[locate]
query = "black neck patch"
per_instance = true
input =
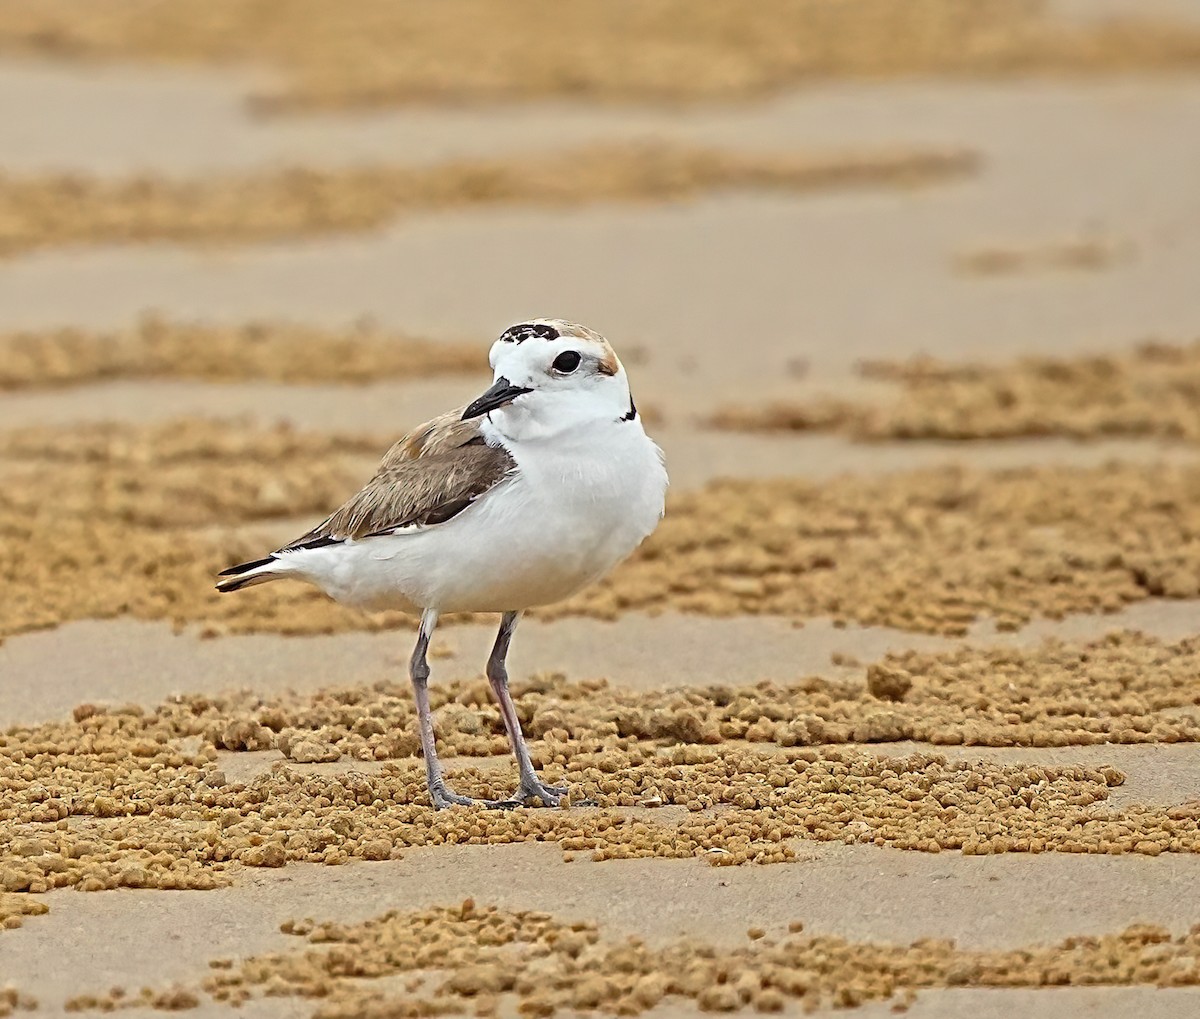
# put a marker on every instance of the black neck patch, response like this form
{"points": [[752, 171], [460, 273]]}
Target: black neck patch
{"points": [[521, 333], [630, 414]]}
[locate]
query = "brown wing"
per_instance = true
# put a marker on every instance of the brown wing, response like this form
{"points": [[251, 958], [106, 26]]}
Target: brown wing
{"points": [[432, 474], [442, 434]]}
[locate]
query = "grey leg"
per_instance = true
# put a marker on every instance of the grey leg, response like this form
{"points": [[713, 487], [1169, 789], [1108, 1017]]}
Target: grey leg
{"points": [[497, 674], [419, 671]]}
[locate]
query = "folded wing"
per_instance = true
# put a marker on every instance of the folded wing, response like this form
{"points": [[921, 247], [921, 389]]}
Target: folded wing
{"points": [[430, 476]]}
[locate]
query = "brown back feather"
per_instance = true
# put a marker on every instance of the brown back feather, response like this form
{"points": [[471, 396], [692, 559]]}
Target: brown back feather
{"points": [[444, 433], [431, 475]]}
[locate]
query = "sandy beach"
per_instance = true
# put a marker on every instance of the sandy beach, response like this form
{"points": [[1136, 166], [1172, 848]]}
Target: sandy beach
{"points": [[898, 709]]}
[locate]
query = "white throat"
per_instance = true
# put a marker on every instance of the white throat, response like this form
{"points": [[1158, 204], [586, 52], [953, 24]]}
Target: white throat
{"points": [[541, 415]]}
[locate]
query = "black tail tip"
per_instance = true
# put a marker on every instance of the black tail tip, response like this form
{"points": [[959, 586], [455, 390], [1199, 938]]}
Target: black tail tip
{"points": [[240, 568], [235, 578]]}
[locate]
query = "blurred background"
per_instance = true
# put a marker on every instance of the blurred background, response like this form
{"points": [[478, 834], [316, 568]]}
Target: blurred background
{"points": [[755, 204]]}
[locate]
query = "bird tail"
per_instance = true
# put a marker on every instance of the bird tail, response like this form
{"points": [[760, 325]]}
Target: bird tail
{"points": [[249, 574]]}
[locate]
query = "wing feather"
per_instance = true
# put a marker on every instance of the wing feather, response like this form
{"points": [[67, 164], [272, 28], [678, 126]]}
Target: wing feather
{"points": [[428, 477]]}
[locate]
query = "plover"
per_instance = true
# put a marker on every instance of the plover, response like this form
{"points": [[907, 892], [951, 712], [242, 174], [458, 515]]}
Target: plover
{"points": [[521, 498]]}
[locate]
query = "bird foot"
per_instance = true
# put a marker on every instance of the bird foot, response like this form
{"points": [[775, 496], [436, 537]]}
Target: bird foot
{"points": [[529, 789], [532, 787], [443, 796]]}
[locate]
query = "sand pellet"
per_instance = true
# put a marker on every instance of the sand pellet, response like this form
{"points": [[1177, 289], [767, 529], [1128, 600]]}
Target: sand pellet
{"points": [[128, 797], [124, 520], [1125, 688], [157, 348], [170, 999], [469, 959], [599, 49], [13, 1001], [13, 908], [44, 211], [1149, 393]]}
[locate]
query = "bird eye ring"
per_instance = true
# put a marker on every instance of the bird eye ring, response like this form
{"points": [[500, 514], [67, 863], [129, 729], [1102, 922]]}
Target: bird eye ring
{"points": [[567, 362]]}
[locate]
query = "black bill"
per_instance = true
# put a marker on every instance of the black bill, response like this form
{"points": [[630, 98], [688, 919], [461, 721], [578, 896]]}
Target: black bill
{"points": [[502, 392]]}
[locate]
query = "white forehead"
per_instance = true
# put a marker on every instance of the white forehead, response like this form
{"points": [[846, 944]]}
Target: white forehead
{"points": [[525, 342]]}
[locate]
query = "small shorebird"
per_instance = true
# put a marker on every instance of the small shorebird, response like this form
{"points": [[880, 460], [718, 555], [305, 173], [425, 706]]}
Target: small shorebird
{"points": [[521, 498]]}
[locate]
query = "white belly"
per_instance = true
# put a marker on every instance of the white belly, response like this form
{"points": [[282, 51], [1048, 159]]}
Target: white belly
{"points": [[562, 522]]}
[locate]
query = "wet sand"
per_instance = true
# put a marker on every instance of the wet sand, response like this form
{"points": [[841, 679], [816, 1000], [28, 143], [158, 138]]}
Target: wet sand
{"points": [[722, 294]]}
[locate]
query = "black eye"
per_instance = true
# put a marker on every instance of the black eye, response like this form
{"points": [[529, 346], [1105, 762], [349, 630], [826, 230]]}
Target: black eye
{"points": [[567, 361]]}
